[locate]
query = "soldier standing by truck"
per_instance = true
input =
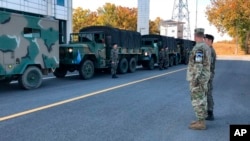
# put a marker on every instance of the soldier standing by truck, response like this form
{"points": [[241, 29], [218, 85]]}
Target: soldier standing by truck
{"points": [[114, 60], [210, 102], [166, 59], [161, 59], [198, 75]]}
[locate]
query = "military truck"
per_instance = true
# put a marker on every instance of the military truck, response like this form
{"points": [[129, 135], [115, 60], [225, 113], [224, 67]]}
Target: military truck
{"points": [[29, 48], [151, 45], [89, 50], [185, 47]]}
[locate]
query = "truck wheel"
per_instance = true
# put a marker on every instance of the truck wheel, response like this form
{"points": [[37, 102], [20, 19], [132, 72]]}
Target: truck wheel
{"points": [[87, 69], [132, 65], [60, 72], [123, 66], [31, 78], [151, 64]]}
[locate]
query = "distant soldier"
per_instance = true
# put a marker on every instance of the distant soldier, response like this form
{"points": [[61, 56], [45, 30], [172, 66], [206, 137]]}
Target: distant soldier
{"points": [[198, 75], [161, 58], [166, 59], [209, 39], [114, 60]]}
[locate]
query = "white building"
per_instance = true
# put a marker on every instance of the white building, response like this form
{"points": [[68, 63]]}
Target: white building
{"points": [[58, 9], [143, 17], [171, 28]]}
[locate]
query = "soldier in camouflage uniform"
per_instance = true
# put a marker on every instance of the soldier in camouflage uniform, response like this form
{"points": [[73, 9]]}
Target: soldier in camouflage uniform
{"points": [[210, 102], [166, 59], [198, 74], [114, 60], [161, 59]]}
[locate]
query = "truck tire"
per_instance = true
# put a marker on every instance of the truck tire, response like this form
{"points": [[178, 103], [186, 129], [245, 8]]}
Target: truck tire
{"points": [[151, 64], [31, 78], [123, 66], [60, 72], [132, 65], [86, 70]]}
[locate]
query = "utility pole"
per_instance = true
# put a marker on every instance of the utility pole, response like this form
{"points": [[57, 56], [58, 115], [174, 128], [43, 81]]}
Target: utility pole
{"points": [[196, 14], [181, 14]]}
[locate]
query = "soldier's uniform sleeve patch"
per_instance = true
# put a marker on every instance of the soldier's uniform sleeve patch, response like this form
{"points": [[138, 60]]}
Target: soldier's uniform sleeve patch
{"points": [[198, 56]]}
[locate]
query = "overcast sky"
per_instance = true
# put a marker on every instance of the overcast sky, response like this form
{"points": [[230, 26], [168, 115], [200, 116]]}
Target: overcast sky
{"points": [[162, 9]]}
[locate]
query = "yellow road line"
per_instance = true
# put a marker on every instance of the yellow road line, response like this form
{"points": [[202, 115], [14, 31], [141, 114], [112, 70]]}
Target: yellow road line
{"points": [[83, 96]]}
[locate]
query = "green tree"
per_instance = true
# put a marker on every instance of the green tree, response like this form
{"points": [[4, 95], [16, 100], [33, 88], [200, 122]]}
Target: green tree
{"points": [[154, 26], [83, 18], [107, 15], [231, 16]]}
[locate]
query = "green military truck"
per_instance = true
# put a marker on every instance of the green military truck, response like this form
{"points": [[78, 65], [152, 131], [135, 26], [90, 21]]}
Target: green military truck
{"points": [[89, 50], [29, 48], [150, 47]]}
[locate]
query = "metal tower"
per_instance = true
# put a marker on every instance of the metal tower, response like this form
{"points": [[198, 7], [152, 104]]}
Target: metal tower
{"points": [[181, 14]]}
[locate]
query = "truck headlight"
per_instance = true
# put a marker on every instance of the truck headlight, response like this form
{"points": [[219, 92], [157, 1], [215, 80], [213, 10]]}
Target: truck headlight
{"points": [[146, 53], [70, 50]]}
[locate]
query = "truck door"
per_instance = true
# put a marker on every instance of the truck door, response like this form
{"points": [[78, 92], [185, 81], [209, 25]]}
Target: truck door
{"points": [[100, 49]]}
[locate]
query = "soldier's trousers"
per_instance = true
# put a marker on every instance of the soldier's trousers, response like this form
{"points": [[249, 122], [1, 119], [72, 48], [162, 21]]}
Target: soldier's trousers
{"points": [[113, 68], [210, 101], [166, 63], [199, 99], [161, 63]]}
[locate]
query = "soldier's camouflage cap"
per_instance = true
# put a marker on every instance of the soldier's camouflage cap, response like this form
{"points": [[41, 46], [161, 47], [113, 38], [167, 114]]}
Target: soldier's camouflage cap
{"points": [[199, 31]]}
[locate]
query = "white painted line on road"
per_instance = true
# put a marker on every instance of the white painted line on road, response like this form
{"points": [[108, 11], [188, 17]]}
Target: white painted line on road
{"points": [[83, 96], [51, 77]]}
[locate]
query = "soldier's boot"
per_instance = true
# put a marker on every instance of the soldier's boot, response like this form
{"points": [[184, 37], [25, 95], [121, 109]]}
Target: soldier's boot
{"points": [[114, 76], [198, 125], [210, 115]]}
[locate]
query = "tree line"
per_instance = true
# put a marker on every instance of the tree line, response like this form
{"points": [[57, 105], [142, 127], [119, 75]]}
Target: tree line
{"points": [[232, 17], [111, 15]]}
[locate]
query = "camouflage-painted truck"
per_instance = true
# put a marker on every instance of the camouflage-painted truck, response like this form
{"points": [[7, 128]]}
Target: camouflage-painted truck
{"points": [[29, 48], [151, 46], [89, 50]]}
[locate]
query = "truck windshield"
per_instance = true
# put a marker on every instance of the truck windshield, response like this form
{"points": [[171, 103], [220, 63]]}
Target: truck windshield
{"points": [[80, 37]]}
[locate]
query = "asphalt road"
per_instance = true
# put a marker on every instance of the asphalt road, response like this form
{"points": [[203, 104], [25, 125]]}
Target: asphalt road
{"points": [[141, 106]]}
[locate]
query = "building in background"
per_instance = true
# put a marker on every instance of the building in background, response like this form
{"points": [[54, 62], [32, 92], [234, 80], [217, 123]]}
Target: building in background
{"points": [[58, 9], [172, 28], [143, 17]]}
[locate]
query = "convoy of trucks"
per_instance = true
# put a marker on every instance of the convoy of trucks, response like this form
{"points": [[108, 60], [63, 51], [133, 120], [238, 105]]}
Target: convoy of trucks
{"points": [[30, 48]]}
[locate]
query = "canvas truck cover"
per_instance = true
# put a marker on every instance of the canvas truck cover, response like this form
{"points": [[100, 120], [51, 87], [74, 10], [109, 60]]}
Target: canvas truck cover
{"points": [[124, 38], [166, 41]]}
